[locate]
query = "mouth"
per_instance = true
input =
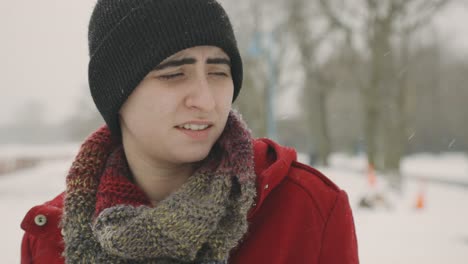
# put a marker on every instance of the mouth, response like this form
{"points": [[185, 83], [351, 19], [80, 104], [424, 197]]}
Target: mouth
{"points": [[194, 127], [196, 130]]}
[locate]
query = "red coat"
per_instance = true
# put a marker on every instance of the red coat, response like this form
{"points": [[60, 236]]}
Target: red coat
{"points": [[300, 216]]}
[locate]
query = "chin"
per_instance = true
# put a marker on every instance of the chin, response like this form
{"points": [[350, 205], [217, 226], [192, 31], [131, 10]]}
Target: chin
{"points": [[195, 156]]}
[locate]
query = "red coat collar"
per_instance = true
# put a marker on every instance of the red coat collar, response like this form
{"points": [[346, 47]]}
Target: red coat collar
{"points": [[272, 163]]}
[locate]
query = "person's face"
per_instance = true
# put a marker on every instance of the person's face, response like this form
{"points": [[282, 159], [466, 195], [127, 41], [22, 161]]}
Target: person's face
{"points": [[180, 108]]}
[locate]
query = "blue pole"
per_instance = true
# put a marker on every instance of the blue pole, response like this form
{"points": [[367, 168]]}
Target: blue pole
{"points": [[271, 93], [256, 49]]}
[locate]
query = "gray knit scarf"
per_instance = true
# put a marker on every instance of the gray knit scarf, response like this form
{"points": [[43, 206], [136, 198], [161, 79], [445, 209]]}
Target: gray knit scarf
{"points": [[201, 222]]}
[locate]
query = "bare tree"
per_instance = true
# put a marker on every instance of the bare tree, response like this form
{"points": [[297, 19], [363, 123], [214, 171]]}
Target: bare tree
{"points": [[384, 92], [317, 84]]}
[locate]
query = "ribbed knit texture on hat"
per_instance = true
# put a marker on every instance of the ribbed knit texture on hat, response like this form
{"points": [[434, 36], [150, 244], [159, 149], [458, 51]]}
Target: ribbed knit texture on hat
{"points": [[128, 38]]}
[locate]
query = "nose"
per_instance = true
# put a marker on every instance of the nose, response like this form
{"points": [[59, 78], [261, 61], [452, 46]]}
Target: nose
{"points": [[201, 95]]}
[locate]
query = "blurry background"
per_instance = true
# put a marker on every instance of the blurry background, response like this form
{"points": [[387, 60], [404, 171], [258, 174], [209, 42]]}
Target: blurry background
{"points": [[372, 92]]}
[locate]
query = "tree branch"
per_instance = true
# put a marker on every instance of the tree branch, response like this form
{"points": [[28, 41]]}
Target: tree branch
{"points": [[426, 11], [333, 17]]}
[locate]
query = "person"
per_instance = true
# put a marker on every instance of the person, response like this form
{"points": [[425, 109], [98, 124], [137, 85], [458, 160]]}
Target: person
{"points": [[174, 175]]}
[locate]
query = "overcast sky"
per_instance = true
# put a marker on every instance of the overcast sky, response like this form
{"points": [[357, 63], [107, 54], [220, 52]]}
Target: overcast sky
{"points": [[43, 52]]}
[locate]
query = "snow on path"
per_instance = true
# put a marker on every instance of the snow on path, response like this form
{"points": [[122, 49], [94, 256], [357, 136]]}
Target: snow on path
{"points": [[445, 166]]}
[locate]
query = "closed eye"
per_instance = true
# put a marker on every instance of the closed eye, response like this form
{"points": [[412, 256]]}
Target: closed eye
{"points": [[170, 76], [219, 74]]}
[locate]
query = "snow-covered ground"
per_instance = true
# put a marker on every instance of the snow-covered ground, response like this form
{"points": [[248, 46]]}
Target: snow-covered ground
{"points": [[437, 234], [56, 151]]}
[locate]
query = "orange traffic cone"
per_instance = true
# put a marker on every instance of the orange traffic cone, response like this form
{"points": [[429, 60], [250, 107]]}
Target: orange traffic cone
{"points": [[421, 199], [371, 178]]}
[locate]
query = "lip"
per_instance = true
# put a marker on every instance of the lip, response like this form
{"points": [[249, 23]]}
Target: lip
{"points": [[197, 134], [197, 122]]}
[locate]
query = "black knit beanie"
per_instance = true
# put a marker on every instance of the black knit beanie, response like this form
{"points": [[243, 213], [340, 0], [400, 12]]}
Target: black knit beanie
{"points": [[128, 38]]}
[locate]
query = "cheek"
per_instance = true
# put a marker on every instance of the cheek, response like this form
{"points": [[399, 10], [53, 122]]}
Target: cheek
{"points": [[140, 109], [225, 95], [227, 103], [153, 101]]}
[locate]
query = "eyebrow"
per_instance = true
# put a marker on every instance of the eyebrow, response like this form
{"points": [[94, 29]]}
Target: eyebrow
{"points": [[180, 62], [219, 61]]}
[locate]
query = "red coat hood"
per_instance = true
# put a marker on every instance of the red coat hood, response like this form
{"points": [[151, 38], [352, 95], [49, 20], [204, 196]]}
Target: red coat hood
{"points": [[272, 163]]}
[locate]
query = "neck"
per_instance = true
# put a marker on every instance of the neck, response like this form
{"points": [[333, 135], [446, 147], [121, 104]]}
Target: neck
{"points": [[156, 180]]}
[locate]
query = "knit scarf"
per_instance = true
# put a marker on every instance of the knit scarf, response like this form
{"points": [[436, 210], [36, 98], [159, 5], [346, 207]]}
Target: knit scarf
{"points": [[108, 219]]}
